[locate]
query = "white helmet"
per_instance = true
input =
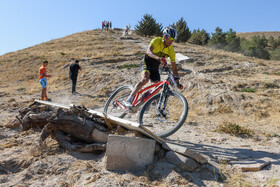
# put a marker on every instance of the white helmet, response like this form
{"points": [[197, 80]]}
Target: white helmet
{"points": [[170, 32]]}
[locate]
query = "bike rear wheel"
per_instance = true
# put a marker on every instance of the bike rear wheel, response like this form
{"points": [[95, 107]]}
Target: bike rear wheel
{"points": [[113, 106], [167, 121]]}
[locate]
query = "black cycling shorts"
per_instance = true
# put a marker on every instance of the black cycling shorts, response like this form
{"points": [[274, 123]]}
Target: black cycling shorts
{"points": [[154, 72]]}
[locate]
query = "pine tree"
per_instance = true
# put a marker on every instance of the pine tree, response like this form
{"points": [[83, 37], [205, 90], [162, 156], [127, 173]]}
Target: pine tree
{"points": [[218, 39], [148, 26], [233, 42], [199, 37], [182, 29]]}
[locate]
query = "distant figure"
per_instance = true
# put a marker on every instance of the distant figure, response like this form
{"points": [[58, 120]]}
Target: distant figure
{"points": [[43, 80], [73, 74], [103, 24], [110, 25], [126, 30], [107, 25]]}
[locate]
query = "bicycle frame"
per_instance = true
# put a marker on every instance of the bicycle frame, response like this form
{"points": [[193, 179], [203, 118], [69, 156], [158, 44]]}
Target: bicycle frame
{"points": [[157, 87]]}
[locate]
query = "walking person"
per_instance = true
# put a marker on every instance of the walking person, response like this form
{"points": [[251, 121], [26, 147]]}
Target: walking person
{"points": [[73, 74], [43, 80]]}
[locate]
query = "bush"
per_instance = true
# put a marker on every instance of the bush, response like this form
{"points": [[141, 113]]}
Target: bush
{"points": [[199, 37], [218, 39], [256, 47], [233, 42], [182, 30], [148, 26], [234, 129], [275, 55], [272, 43]]}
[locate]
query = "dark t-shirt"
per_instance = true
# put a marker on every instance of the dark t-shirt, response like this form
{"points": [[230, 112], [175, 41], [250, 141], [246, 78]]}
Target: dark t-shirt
{"points": [[74, 68]]}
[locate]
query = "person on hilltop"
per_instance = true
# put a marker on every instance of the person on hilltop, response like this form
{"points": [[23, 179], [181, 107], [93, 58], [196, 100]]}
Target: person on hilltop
{"points": [[43, 80], [73, 74], [158, 50]]}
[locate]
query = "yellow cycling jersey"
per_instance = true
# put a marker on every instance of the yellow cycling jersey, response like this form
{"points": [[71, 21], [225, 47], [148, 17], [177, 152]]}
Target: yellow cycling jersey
{"points": [[160, 51]]}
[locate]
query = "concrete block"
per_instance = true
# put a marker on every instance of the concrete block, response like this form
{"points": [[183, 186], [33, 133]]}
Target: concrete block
{"points": [[129, 153], [185, 163]]}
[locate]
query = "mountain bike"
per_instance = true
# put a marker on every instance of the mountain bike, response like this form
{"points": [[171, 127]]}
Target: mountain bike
{"points": [[163, 110]]}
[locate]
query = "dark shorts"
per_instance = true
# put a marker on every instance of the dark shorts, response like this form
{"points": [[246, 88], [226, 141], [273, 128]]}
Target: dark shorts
{"points": [[154, 72]]}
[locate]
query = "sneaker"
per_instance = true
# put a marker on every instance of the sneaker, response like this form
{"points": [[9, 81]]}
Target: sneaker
{"points": [[75, 93], [49, 99], [127, 104]]}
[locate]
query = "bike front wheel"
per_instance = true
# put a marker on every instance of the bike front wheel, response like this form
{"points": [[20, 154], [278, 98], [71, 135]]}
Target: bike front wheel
{"points": [[167, 118], [114, 105]]}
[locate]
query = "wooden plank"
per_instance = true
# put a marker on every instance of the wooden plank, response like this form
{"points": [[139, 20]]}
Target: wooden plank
{"points": [[53, 104]]}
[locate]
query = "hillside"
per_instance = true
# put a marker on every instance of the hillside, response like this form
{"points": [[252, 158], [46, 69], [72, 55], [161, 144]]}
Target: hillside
{"points": [[221, 88], [249, 35]]}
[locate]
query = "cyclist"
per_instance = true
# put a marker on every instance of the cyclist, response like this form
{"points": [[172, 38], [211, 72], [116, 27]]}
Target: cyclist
{"points": [[158, 50]]}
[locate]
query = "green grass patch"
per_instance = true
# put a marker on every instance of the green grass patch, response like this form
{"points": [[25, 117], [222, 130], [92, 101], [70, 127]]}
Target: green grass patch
{"points": [[275, 135], [250, 90], [63, 53], [126, 66], [271, 85], [140, 54], [234, 129], [277, 73]]}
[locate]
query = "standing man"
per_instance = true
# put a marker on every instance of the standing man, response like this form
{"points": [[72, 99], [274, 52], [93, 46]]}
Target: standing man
{"points": [[43, 80], [73, 74], [159, 49]]}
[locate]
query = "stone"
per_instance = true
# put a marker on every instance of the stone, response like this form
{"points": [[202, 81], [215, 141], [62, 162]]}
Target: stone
{"points": [[185, 163], [129, 153], [185, 151]]}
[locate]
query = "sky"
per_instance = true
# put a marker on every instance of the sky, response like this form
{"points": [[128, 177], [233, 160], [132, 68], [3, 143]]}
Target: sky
{"points": [[24, 23]]}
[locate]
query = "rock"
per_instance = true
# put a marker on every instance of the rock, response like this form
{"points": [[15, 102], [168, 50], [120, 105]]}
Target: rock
{"points": [[185, 163], [129, 153]]}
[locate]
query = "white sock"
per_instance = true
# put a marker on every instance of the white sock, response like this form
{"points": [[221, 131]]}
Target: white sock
{"points": [[129, 99]]}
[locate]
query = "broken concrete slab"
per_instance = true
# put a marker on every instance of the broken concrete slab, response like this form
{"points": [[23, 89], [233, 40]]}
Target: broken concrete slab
{"points": [[179, 58], [251, 165], [129, 153], [184, 162], [185, 151]]}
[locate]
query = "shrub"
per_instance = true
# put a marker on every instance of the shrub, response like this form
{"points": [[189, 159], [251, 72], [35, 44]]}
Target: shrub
{"points": [[148, 26], [182, 30], [250, 90], [199, 37], [234, 129], [233, 42], [272, 43], [275, 55], [218, 39], [256, 47]]}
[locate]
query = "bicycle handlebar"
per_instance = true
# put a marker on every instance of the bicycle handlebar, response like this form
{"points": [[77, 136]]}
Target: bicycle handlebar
{"points": [[173, 79]]}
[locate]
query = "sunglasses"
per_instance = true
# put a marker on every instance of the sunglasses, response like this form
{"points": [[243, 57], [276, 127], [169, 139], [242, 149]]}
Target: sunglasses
{"points": [[171, 39]]}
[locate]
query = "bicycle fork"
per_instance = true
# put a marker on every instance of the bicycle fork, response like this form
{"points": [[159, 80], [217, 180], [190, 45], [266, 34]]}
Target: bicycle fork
{"points": [[162, 113]]}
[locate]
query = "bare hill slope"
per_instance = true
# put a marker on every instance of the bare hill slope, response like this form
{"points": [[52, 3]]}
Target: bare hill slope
{"points": [[222, 89]]}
